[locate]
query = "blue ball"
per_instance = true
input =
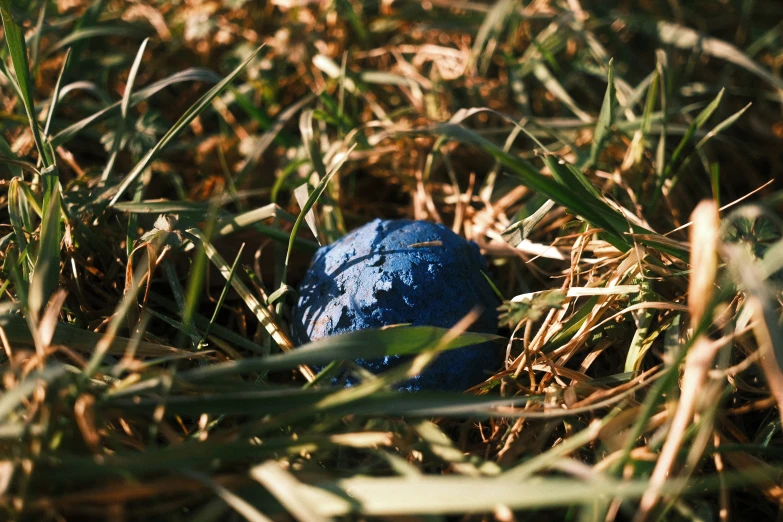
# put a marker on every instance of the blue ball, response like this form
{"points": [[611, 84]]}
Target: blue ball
{"points": [[402, 271]]}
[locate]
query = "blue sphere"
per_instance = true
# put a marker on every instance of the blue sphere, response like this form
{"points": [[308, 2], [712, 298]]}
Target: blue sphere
{"points": [[402, 271]]}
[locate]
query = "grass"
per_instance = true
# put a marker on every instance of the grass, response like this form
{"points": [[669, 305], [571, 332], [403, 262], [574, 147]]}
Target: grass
{"points": [[160, 204]]}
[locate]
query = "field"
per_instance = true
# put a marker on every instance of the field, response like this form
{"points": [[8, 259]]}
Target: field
{"points": [[168, 169]]}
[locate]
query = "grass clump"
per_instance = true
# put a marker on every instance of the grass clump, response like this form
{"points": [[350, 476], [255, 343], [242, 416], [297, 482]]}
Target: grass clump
{"points": [[169, 169]]}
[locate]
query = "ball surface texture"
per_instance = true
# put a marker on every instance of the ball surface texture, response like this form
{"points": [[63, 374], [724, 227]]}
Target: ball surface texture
{"points": [[401, 271]]}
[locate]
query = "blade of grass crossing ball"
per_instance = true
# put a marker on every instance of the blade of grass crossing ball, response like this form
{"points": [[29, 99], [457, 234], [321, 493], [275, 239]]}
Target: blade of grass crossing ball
{"points": [[606, 117], [309, 204], [56, 94], [46, 273], [363, 344], [188, 75], [18, 50], [223, 295], [185, 120], [119, 130]]}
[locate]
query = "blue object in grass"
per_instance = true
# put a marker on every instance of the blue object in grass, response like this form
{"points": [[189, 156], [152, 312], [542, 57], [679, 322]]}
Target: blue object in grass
{"points": [[402, 271]]}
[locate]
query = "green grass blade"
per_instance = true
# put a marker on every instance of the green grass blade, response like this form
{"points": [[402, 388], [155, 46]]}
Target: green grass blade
{"points": [[284, 486], [56, 94], [369, 344], [606, 118], [18, 50], [198, 270], [689, 39], [314, 195], [19, 215], [223, 293], [196, 109], [12, 398], [188, 75], [46, 273], [125, 104], [80, 35]]}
